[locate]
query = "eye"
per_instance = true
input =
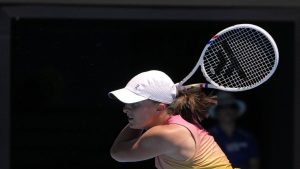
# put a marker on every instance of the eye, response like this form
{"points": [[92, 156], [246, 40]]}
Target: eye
{"points": [[134, 105]]}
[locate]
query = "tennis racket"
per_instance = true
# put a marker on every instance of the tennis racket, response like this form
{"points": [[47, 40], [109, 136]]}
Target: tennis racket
{"points": [[238, 58]]}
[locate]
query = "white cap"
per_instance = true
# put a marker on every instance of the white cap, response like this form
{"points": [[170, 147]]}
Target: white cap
{"points": [[154, 85]]}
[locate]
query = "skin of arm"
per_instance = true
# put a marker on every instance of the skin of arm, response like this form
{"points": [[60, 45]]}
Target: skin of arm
{"points": [[132, 146]]}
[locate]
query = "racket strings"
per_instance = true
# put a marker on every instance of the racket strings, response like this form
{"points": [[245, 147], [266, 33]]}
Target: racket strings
{"points": [[248, 56]]}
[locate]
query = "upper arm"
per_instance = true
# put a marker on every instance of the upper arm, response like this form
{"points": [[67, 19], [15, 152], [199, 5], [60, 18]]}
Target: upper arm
{"points": [[153, 142]]}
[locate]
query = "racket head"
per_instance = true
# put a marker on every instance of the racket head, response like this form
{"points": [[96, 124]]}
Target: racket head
{"points": [[239, 58]]}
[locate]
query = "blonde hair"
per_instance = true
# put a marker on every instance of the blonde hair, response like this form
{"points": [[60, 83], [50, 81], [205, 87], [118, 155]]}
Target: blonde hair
{"points": [[192, 105]]}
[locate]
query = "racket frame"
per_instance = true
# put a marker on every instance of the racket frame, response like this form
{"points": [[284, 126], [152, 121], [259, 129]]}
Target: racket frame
{"points": [[214, 85]]}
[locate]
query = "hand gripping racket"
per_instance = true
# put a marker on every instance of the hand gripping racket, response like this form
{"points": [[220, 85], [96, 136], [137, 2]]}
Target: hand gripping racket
{"points": [[238, 58]]}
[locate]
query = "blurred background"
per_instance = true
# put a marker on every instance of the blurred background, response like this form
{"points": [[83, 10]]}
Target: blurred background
{"points": [[59, 59]]}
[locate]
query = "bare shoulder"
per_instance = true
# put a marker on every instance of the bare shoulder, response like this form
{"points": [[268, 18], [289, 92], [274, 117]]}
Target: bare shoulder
{"points": [[171, 133], [176, 140], [159, 139]]}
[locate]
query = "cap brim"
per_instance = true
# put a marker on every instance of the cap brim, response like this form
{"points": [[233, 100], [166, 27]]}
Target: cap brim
{"points": [[126, 96]]}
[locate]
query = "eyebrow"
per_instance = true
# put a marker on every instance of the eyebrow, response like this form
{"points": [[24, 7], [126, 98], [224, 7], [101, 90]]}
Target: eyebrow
{"points": [[132, 105]]}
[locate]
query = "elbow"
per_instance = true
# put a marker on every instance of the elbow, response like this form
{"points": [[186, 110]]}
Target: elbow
{"points": [[116, 155], [118, 159], [113, 154]]}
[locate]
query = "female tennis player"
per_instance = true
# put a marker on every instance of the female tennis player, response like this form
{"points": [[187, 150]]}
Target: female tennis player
{"points": [[164, 124]]}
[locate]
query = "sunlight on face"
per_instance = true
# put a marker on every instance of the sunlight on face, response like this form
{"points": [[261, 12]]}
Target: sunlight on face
{"points": [[141, 115]]}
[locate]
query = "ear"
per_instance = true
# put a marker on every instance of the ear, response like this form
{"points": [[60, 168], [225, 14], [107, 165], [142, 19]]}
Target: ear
{"points": [[161, 107]]}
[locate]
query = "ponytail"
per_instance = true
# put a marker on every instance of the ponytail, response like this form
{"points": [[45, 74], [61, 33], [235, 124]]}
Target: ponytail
{"points": [[192, 105]]}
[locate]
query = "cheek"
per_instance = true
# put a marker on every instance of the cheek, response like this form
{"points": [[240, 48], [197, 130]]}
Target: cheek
{"points": [[144, 115], [140, 115]]}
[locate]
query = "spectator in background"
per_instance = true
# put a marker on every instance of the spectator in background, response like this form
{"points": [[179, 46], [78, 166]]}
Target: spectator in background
{"points": [[238, 144]]}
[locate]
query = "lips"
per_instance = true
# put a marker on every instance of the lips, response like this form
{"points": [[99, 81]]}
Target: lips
{"points": [[130, 118]]}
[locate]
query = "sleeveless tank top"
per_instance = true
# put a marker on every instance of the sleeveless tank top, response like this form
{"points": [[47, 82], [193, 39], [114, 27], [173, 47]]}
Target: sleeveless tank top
{"points": [[208, 154]]}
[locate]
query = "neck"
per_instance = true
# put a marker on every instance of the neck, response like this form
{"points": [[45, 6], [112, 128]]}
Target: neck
{"points": [[161, 119]]}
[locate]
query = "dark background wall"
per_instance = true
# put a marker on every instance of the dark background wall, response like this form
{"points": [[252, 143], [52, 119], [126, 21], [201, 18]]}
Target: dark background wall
{"points": [[174, 3], [63, 68]]}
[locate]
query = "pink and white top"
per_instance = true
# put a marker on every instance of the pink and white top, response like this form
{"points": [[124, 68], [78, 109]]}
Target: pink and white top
{"points": [[208, 154]]}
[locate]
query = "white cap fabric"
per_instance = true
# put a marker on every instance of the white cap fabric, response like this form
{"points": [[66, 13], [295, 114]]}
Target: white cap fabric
{"points": [[154, 85]]}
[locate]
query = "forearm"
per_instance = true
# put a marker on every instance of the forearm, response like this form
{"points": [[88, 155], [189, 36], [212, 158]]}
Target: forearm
{"points": [[126, 136]]}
